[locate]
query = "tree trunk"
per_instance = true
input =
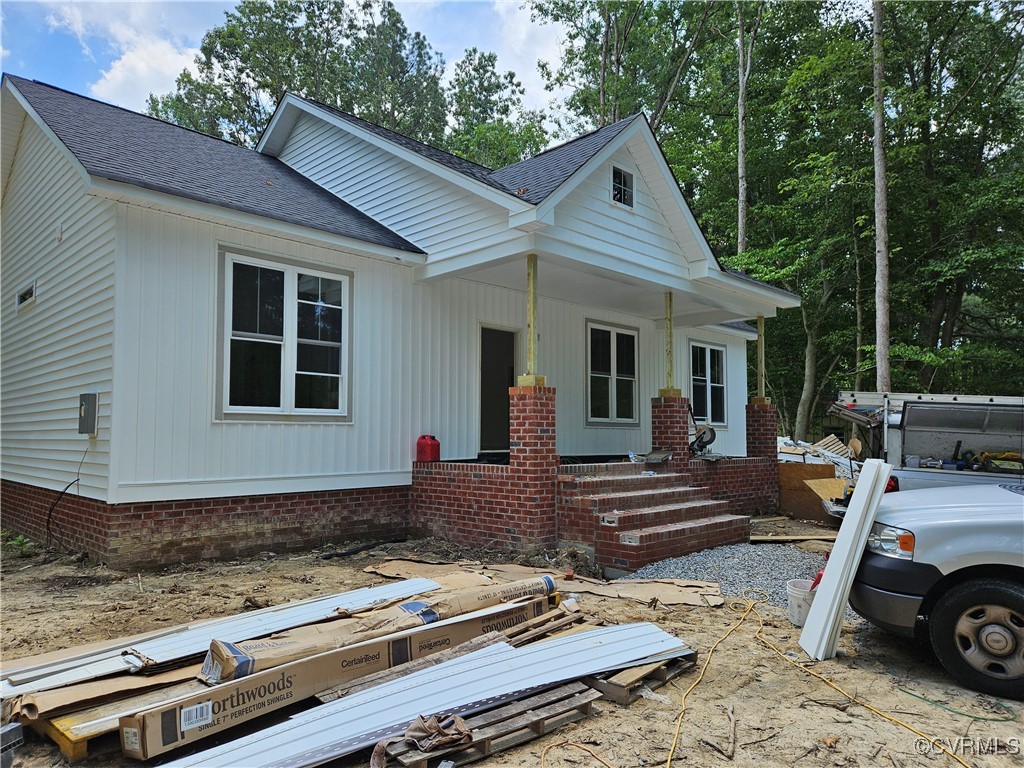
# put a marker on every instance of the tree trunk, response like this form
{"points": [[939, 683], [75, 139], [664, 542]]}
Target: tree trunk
{"points": [[744, 56], [803, 408], [883, 378]]}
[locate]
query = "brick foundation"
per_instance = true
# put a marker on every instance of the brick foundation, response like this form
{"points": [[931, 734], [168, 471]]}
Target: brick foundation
{"points": [[153, 534], [751, 486], [481, 504]]}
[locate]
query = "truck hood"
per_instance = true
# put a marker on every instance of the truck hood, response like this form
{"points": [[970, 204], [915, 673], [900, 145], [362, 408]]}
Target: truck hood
{"points": [[910, 509]]}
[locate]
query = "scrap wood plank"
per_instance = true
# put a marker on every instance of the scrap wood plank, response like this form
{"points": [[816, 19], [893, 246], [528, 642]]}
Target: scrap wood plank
{"points": [[543, 626], [75, 732], [801, 537], [623, 687], [508, 726]]}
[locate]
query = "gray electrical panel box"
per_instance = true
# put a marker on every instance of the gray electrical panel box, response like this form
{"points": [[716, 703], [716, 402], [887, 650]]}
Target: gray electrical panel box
{"points": [[87, 414]]}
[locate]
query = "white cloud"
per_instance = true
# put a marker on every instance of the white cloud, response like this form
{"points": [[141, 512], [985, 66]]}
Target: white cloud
{"points": [[149, 66], [521, 43], [147, 44]]}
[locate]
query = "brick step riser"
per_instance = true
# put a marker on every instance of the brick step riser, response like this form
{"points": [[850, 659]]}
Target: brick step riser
{"points": [[662, 545], [591, 486], [655, 497], [630, 520]]}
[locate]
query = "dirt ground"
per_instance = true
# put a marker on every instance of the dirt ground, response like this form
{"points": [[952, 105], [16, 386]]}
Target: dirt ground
{"points": [[783, 716]]}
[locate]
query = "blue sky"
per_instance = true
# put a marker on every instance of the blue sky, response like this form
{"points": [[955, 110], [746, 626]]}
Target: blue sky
{"points": [[120, 52]]}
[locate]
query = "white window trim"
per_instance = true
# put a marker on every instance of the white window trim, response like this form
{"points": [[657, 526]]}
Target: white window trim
{"points": [[611, 187], [706, 345], [287, 411], [612, 421]]}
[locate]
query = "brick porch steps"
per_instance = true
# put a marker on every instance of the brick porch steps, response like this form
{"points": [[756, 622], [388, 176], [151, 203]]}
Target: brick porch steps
{"points": [[645, 517], [635, 549], [629, 519], [646, 497]]}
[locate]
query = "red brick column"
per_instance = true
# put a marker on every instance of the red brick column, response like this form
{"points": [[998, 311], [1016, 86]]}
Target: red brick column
{"points": [[533, 462], [670, 428], [762, 429]]}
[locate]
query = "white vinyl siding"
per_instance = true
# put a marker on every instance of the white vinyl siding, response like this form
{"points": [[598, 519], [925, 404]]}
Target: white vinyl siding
{"points": [[589, 219], [435, 215], [60, 344], [414, 370]]}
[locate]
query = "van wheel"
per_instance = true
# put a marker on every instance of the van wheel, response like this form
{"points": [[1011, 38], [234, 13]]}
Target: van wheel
{"points": [[977, 632]]}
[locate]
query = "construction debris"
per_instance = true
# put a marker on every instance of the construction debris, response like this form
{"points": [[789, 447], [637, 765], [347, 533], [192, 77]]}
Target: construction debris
{"points": [[384, 658]]}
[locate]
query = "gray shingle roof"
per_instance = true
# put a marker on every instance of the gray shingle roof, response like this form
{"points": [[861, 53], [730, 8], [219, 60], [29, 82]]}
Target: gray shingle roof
{"points": [[120, 145], [539, 175], [454, 162], [542, 174]]}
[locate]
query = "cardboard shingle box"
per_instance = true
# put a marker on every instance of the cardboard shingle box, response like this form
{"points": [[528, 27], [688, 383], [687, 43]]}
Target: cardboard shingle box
{"points": [[231, 661], [188, 719]]}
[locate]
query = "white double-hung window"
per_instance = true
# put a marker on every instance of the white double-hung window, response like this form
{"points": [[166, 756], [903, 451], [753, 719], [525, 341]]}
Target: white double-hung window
{"points": [[286, 338], [611, 378], [707, 383]]}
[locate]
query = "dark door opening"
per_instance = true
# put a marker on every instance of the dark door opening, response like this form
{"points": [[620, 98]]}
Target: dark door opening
{"points": [[497, 374]]}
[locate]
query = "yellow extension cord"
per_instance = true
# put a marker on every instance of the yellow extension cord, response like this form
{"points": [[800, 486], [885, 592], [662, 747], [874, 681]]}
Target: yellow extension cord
{"points": [[745, 606], [748, 605]]}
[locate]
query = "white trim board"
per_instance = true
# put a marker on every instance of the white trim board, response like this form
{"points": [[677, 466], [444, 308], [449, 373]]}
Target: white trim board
{"points": [[820, 636]]}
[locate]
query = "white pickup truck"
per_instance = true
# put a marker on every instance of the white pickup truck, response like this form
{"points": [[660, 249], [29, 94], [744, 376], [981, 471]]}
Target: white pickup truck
{"points": [[940, 440], [947, 565]]}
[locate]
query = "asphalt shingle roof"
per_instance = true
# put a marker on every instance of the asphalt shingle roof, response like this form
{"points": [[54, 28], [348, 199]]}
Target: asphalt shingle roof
{"points": [[542, 174], [120, 145], [539, 175]]}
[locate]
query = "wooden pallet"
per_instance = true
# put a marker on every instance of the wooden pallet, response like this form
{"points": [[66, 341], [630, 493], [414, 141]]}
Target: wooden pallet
{"points": [[565, 618], [508, 726], [623, 687]]}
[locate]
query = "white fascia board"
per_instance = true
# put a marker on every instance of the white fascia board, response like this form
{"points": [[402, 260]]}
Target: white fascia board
{"points": [[61, 146], [144, 492], [529, 221], [609, 261], [147, 198], [489, 193], [458, 266], [671, 186], [758, 292], [275, 135]]}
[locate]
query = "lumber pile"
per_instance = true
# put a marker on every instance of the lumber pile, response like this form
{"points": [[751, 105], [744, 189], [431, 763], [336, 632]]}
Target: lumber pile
{"points": [[164, 694]]}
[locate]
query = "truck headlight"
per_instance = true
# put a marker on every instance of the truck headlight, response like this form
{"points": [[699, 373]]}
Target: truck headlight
{"points": [[891, 541]]}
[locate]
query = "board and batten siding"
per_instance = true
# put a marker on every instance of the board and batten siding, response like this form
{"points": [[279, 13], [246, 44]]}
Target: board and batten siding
{"points": [[730, 439], [588, 218], [60, 345], [437, 216], [415, 370]]}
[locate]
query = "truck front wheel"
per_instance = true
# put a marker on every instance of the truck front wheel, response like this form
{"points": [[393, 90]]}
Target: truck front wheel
{"points": [[977, 632]]}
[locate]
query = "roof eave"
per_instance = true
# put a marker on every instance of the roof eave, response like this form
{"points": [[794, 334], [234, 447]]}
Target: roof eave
{"points": [[119, 191]]}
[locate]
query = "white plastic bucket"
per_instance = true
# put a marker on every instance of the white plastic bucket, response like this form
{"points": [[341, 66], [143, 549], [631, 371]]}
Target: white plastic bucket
{"points": [[800, 599]]}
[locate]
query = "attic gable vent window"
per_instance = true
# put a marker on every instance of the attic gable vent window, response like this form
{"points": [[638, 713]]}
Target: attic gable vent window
{"points": [[27, 296], [622, 187]]}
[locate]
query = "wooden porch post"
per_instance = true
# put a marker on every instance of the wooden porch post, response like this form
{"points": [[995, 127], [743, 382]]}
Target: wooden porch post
{"points": [[531, 379], [669, 390], [761, 375]]}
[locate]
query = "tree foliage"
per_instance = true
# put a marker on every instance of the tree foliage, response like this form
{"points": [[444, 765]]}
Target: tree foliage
{"points": [[954, 104], [359, 57]]}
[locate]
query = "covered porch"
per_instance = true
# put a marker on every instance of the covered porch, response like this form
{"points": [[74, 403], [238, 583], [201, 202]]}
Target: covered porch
{"points": [[623, 514]]}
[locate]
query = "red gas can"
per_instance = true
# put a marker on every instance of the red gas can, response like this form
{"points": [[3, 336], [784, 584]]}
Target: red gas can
{"points": [[428, 448]]}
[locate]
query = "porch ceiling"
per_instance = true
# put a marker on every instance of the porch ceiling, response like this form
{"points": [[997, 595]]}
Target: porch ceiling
{"points": [[695, 302]]}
